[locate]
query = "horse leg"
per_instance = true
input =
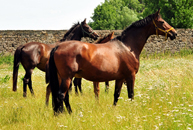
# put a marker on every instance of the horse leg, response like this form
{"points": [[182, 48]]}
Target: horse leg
{"points": [[66, 101], [130, 86], [27, 81], [57, 97], [57, 105], [118, 86], [96, 89], [30, 86], [75, 81], [79, 84], [63, 93], [70, 87], [48, 91], [107, 86]]}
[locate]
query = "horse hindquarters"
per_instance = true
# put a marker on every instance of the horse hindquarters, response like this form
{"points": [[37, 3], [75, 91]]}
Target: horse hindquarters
{"points": [[17, 59]]}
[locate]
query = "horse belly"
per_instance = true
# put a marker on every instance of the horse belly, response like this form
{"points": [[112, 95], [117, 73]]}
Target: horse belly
{"points": [[100, 77], [101, 67], [99, 73]]}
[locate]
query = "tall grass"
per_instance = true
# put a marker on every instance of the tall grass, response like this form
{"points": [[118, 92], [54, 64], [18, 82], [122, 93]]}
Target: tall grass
{"points": [[163, 100]]}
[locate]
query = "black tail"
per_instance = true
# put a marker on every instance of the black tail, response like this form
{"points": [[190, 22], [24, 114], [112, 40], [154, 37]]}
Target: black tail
{"points": [[17, 59], [53, 78]]}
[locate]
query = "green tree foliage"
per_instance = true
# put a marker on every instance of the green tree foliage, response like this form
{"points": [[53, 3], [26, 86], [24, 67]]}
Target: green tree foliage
{"points": [[178, 13], [118, 14], [115, 14], [134, 5]]}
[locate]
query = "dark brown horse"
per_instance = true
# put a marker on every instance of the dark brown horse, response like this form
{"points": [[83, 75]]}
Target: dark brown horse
{"points": [[96, 84], [35, 54], [117, 59], [77, 81]]}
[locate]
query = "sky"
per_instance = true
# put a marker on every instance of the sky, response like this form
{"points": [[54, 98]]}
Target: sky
{"points": [[45, 14]]}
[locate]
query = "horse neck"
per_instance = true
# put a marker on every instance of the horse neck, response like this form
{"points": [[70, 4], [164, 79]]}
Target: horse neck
{"points": [[136, 38], [76, 34]]}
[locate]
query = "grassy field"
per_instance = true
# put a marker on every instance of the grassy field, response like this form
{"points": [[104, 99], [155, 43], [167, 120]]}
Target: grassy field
{"points": [[163, 100]]}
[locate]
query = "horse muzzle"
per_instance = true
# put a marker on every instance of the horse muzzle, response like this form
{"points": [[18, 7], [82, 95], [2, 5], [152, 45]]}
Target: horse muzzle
{"points": [[172, 35], [95, 36]]}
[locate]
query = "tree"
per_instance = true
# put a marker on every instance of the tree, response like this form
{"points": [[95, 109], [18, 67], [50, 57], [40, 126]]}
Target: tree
{"points": [[114, 14], [118, 14], [178, 13], [126, 17], [135, 5]]}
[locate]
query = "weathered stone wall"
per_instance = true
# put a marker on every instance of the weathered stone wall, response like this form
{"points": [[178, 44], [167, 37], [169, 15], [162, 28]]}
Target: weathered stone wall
{"points": [[11, 39], [184, 40]]}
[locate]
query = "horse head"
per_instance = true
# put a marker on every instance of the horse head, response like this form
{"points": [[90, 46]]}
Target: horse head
{"points": [[162, 27], [88, 31]]}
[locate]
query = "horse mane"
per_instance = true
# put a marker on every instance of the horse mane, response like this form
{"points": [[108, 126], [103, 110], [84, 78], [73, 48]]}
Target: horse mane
{"points": [[139, 23], [102, 38], [69, 31]]}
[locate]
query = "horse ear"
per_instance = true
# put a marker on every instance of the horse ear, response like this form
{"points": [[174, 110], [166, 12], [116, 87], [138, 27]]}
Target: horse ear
{"points": [[157, 13], [84, 21], [112, 34]]}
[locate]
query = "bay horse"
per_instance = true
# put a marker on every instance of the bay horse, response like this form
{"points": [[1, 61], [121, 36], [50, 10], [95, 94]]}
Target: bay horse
{"points": [[95, 84], [116, 60], [36, 54], [77, 81]]}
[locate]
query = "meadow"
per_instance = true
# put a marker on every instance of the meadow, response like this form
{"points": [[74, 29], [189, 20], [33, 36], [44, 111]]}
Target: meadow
{"points": [[163, 99]]}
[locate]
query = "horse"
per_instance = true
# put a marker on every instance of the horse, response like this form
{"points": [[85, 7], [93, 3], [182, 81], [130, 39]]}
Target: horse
{"points": [[77, 81], [95, 84], [116, 60], [36, 54]]}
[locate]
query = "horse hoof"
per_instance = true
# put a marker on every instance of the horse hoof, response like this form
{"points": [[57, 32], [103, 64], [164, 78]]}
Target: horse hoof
{"points": [[24, 95]]}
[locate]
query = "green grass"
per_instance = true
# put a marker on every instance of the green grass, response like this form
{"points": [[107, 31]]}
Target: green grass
{"points": [[8, 59], [163, 100]]}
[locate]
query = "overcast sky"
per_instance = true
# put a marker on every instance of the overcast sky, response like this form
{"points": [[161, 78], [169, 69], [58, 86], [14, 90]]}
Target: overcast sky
{"points": [[44, 14]]}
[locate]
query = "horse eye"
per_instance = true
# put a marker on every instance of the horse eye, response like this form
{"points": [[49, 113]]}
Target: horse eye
{"points": [[161, 22], [86, 27]]}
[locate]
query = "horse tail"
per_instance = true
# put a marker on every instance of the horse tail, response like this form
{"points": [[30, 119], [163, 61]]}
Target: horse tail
{"points": [[53, 78], [17, 59]]}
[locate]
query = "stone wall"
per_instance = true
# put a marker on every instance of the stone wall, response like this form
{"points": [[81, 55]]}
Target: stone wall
{"points": [[11, 39]]}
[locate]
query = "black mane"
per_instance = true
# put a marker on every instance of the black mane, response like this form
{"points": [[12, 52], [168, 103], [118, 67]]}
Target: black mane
{"points": [[116, 38], [140, 23], [69, 31], [137, 24]]}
